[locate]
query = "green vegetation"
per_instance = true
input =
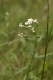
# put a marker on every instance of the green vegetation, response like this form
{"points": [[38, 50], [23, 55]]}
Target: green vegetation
{"points": [[26, 50]]}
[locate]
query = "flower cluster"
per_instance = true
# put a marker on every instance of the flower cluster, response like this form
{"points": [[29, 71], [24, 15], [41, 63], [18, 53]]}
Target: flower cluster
{"points": [[28, 24], [30, 21], [21, 25], [21, 34]]}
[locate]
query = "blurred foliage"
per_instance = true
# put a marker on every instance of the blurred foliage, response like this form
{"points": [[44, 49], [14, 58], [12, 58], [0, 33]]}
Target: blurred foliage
{"points": [[11, 57]]}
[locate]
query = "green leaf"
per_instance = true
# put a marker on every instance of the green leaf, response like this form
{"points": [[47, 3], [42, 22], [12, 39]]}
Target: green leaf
{"points": [[32, 51], [12, 32], [40, 37], [33, 77], [30, 39], [13, 41], [42, 56], [4, 34], [14, 56], [22, 69]]}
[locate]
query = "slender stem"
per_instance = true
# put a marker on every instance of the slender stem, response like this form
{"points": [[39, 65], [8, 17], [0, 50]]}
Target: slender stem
{"points": [[46, 41], [31, 62], [29, 67], [50, 32], [38, 63], [35, 36]]}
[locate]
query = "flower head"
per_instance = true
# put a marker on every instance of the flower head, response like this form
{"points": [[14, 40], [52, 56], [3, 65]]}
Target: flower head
{"points": [[30, 21], [20, 35], [35, 21], [20, 25], [33, 30], [26, 23]]}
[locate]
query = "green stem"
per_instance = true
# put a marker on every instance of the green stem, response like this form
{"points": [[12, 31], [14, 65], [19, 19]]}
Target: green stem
{"points": [[46, 48], [29, 69], [50, 32], [37, 66]]}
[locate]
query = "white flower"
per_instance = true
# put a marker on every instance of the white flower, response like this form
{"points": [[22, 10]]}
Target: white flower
{"points": [[35, 20], [20, 25], [26, 23], [20, 35], [33, 30], [30, 21]]}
